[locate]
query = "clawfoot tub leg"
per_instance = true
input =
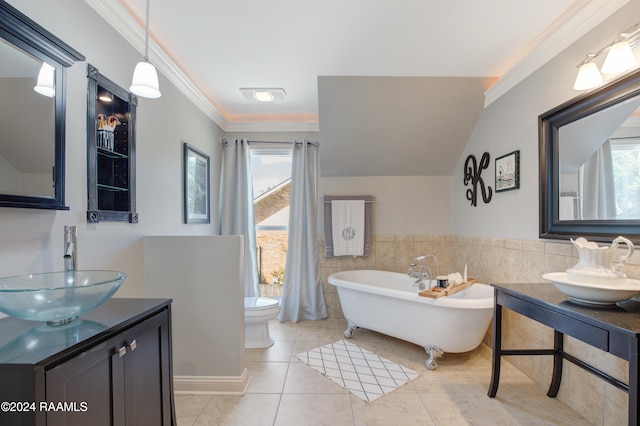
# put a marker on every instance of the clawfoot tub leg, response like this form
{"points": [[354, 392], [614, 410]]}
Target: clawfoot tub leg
{"points": [[351, 327], [433, 352]]}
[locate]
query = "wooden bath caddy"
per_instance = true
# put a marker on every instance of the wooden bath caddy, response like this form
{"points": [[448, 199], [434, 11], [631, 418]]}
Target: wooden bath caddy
{"points": [[435, 292]]}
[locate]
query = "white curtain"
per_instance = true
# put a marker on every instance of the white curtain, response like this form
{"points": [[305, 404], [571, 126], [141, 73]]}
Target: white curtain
{"points": [[236, 207], [598, 192], [302, 291]]}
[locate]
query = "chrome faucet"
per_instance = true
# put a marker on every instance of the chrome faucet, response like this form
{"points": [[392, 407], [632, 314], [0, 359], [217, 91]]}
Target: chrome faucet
{"points": [[70, 248], [423, 272]]}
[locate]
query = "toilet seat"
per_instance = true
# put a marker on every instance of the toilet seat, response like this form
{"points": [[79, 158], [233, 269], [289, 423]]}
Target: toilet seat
{"points": [[259, 303]]}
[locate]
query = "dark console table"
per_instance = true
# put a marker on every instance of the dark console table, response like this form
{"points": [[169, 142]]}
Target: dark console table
{"points": [[612, 329]]}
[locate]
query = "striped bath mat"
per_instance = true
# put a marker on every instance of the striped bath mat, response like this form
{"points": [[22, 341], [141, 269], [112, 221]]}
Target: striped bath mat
{"points": [[363, 373]]}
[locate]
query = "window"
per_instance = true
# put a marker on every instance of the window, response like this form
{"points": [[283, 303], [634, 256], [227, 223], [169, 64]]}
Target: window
{"points": [[625, 154], [271, 170]]}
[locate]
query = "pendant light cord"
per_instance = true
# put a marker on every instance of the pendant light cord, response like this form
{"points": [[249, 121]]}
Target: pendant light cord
{"points": [[146, 36]]}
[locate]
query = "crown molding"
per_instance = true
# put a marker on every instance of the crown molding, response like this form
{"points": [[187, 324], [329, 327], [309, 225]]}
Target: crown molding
{"points": [[272, 126], [118, 17], [584, 20]]}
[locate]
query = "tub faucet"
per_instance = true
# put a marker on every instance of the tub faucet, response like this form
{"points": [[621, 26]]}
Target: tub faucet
{"points": [[70, 248], [423, 272]]}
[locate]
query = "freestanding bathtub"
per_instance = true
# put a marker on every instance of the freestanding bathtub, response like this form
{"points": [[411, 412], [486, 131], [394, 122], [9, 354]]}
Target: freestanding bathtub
{"points": [[388, 302]]}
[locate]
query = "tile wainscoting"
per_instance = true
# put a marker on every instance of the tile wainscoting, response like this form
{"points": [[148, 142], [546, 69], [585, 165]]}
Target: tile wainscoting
{"points": [[495, 260]]}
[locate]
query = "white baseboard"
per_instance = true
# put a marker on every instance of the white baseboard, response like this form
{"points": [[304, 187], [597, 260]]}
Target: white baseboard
{"points": [[212, 385]]}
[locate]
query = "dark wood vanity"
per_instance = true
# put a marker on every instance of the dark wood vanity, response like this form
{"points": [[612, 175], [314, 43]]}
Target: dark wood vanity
{"points": [[111, 366]]}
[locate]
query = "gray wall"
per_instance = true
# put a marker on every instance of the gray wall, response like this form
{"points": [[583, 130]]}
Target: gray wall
{"points": [[510, 123], [208, 300], [31, 240], [404, 204]]}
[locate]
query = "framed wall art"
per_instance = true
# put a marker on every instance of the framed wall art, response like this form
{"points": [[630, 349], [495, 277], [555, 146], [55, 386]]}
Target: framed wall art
{"points": [[508, 172], [196, 168]]}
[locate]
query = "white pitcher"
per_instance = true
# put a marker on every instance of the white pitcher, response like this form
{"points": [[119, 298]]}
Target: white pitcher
{"points": [[596, 263]]}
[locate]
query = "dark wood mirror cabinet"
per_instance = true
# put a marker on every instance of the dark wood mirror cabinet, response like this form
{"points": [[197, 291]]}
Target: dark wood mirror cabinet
{"points": [[24, 40], [111, 151]]}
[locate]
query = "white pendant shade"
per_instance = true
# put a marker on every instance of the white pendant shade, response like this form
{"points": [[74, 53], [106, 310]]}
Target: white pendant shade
{"points": [[46, 81], [588, 77], [145, 81], [620, 58]]}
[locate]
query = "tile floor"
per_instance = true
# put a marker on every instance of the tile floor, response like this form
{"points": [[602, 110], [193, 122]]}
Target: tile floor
{"points": [[365, 374], [285, 392]]}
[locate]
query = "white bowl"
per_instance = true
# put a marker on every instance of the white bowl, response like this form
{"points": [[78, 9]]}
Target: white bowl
{"points": [[594, 293]]}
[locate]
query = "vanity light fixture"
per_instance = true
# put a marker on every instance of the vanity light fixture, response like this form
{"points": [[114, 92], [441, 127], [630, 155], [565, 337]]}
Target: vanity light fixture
{"points": [[264, 94], [45, 84], [145, 77], [588, 74], [619, 58]]}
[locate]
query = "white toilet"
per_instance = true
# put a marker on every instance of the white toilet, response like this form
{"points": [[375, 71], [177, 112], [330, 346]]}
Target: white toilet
{"points": [[258, 311]]}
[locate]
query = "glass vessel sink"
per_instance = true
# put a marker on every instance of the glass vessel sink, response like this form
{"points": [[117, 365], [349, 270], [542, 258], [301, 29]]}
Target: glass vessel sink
{"points": [[57, 297]]}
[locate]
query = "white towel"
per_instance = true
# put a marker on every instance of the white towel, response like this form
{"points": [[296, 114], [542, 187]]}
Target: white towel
{"points": [[347, 223], [566, 208]]}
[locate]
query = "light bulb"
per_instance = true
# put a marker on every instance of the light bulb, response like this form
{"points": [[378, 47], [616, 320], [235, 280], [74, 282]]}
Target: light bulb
{"points": [[263, 96], [620, 58], [588, 77]]}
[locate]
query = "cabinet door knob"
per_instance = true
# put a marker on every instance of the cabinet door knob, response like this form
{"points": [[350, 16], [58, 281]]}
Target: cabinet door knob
{"points": [[133, 345], [122, 352]]}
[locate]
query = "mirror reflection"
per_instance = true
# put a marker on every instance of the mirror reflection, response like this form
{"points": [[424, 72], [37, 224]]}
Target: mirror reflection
{"points": [[27, 124], [599, 165]]}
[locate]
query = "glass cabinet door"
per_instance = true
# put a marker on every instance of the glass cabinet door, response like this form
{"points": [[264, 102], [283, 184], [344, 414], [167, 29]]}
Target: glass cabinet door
{"points": [[111, 115]]}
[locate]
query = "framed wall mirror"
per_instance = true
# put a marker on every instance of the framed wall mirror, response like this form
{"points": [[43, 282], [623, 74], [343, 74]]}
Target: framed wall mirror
{"points": [[590, 164], [32, 114]]}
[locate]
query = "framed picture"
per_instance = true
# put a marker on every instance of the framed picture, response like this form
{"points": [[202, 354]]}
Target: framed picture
{"points": [[196, 186], [508, 172]]}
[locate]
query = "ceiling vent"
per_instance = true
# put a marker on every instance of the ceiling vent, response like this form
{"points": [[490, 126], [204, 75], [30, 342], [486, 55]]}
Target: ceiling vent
{"points": [[264, 94]]}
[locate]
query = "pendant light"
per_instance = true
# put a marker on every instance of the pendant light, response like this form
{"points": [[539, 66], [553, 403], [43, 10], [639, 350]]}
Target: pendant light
{"points": [[145, 77], [46, 78]]}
